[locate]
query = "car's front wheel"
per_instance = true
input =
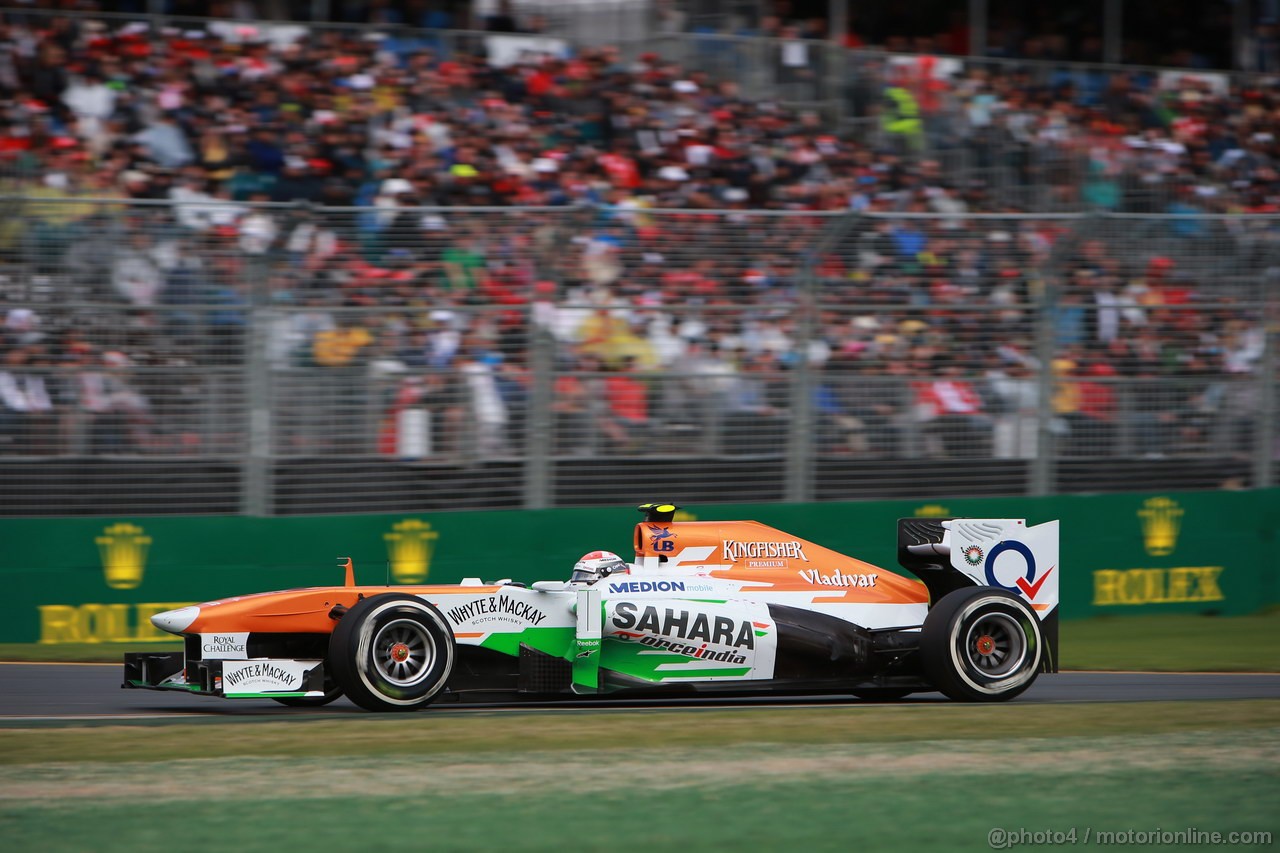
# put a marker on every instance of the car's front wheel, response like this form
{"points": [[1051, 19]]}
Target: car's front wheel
{"points": [[981, 644], [392, 653]]}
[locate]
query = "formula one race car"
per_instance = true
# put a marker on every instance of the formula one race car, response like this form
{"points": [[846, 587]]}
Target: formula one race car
{"points": [[707, 607]]}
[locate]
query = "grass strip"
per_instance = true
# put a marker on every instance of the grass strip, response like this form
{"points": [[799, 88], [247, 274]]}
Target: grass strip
{"points": [[79, 652], [1173, 643], [862, 810], [489, 733]]}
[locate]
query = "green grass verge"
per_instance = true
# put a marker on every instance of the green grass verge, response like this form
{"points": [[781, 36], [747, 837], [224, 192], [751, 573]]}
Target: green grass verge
{"points": [[935, 777], [479, 733], [1166, 643], [79, 652], [1173, 643], [638, 812]]}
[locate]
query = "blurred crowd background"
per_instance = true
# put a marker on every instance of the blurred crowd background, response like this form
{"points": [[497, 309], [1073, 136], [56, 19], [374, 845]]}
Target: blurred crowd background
{"points": [[381, 263]]}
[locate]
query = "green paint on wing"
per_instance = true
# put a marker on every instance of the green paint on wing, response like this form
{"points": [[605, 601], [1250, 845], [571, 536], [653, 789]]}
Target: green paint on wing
{"points": [[553, 641], [173, 685], [649, 664]]}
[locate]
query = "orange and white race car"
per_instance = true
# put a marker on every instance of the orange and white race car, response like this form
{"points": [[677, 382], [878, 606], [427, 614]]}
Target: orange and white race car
{"points": [[706, 606]]}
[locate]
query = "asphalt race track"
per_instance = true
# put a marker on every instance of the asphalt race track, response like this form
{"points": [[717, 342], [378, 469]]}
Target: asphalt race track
{"points": [[87, 692]]}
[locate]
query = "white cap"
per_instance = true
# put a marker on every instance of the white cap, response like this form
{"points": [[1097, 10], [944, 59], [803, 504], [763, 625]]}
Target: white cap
{"points": [[395, 186], [20, 318]]}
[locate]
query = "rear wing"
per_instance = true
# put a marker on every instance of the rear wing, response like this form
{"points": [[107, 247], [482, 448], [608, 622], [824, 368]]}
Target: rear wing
{"points": [[954, 553]]}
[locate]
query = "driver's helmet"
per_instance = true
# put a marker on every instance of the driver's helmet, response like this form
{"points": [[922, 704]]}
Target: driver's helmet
{"points": [[596, 565]]}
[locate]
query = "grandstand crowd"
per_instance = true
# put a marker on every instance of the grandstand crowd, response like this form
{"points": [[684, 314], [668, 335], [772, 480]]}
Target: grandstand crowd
{"points": [[331, 179]]}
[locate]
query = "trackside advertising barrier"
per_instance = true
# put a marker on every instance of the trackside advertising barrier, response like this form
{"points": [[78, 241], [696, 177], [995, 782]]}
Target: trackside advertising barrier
{"points": [[100, 579]]}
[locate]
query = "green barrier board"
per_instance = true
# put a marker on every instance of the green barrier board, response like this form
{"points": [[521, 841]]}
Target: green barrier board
{"points": [[100, 579]]}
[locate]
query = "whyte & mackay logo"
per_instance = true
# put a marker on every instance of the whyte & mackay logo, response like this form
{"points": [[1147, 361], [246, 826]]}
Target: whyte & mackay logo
{"points": [[1161, 523], [410, 547], [123, 548]]}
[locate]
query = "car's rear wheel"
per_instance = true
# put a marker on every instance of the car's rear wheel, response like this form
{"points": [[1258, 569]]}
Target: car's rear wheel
{"points": [[392, 653], [981, 645]]}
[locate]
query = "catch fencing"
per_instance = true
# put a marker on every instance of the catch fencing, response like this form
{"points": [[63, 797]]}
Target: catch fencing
{"points": [[278, 359]]}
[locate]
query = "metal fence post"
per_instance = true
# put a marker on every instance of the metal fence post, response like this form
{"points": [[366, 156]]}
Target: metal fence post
{"points": [[1041, 479], [800, 442], [1043, 466], [538, 439], [1264, 440], [256, 477]]}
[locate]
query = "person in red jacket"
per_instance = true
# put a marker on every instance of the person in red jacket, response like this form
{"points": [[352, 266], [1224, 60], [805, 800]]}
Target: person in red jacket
{"points": [[952, 409]]}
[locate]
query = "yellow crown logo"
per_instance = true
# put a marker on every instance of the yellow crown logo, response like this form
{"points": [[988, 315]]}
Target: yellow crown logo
{"points": [[410, 546], [932, 511], [123, 548], [681, 515], [1161, 521]]}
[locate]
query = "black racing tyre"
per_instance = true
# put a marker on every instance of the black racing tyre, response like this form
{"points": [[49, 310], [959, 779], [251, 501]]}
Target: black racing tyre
{"points": [[392, 652], [981, 644], [882, 694]]}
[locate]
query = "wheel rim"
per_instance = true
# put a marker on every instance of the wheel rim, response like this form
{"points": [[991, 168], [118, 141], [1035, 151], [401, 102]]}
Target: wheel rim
{"points": [[403, 652], [995, 645]]}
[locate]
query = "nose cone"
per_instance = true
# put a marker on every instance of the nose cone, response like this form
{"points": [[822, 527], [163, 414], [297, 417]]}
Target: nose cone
{"points": [[175, 621]]}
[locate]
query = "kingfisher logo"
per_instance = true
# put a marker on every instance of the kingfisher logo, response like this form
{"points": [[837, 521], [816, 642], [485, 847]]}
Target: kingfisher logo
{"points": [[647, 586], [735, 551]]}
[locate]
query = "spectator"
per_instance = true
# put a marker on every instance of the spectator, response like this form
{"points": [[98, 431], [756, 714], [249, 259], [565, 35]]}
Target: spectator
{"points": [[135, 272], [625, 422], [26, 401], [119, 415], [166, 142], [756, 420], [1015, 394], [489, 411], [328, 118], [952, 411], [1092, 426], [875, 398]]}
